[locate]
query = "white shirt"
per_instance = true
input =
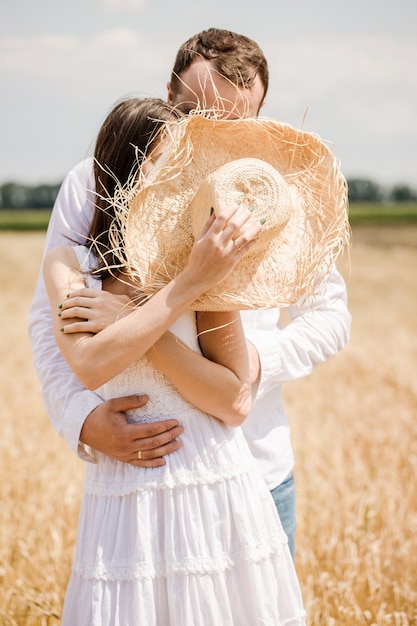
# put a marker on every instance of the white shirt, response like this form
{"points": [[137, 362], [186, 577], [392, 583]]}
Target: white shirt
{"points": [[319, 329]]}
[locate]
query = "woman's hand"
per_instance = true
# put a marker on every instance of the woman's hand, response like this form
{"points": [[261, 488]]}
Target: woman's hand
{"points": [[224, 240], [92, 310], [218, 248]]}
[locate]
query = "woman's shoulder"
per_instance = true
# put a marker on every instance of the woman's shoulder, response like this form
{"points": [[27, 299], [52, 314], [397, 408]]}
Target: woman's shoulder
{"points": [[62, 260], [61, 254]]}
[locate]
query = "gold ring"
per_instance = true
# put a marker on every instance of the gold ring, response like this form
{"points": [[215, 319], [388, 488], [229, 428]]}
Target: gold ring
{"points": [[139, 454]]}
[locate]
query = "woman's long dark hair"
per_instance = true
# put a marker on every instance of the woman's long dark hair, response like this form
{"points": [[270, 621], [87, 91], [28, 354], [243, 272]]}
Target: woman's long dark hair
{"points": [[128, 134]]}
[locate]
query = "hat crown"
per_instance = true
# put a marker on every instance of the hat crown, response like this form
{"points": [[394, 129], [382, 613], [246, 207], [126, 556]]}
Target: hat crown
{"points": [[248, 181]]}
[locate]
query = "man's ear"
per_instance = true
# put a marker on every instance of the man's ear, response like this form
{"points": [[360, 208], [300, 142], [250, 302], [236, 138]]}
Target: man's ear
{"points": [[169, 93]]}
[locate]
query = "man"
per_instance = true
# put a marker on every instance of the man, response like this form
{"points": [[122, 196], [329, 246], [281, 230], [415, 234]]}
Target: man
{"points": [[221, 69], [203, 75]]}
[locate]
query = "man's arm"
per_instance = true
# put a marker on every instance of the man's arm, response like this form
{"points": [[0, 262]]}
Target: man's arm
{"points": [[319, 328], [67, 402]]}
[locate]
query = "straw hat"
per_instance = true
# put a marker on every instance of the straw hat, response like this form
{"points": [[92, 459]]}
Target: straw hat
{"points": [[286, 175]]}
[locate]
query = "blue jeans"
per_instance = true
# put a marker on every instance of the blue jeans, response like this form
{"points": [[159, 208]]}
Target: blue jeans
{"points": [[284, 498]]}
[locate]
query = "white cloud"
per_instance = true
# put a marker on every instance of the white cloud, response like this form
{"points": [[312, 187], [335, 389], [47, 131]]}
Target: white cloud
{"points": [[115, 60], [49, 55], [369, 78], [124, 6], [34, 55]]}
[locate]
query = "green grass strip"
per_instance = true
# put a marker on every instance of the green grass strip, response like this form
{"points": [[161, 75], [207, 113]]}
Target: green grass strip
{"points": [[379, 213], [24, 220]]}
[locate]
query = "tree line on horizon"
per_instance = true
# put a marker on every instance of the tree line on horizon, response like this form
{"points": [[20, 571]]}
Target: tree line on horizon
{"points": [[32, 197]]}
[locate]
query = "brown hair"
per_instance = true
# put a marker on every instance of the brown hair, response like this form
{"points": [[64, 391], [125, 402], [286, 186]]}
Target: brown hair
{"points": [[235, 57], [128, 134]]}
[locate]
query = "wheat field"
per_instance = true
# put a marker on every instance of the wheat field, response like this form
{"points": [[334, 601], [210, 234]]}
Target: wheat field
{"points": [[354, 430]]}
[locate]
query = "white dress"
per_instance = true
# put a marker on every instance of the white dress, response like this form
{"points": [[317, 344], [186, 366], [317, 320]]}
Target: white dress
{"points": [[197, 542]]}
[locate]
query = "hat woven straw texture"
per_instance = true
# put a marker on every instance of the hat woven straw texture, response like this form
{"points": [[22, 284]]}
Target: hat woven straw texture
{"points": [[287, 175]]}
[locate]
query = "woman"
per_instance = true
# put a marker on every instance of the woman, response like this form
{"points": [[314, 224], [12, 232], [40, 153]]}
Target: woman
{"points": [[196, 541]]}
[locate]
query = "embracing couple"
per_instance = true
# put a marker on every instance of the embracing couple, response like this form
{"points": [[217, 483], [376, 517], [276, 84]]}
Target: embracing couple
{"points": [[155, 334]]}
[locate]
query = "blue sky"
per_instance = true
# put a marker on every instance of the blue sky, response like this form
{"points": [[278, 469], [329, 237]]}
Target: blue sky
{"points": [[346, 70]]}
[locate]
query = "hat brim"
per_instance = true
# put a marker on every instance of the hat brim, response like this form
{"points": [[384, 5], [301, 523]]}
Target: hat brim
{"points": [[158, 228]]}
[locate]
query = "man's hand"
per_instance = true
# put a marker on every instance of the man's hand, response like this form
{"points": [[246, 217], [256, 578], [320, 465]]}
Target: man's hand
{"points": [[107, 430]]}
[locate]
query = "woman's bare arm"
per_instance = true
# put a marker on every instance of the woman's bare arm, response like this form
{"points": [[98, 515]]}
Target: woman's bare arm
{"points": [[97, 358], [208, 385], [217, 383]]}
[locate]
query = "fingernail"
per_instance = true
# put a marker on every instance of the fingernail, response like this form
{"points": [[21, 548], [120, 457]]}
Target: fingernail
{"points": [[251, 208], [68, 295], [238, 202], [211, 211], [60, 306], [262, 221], [59, 314], [62, 330]]}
